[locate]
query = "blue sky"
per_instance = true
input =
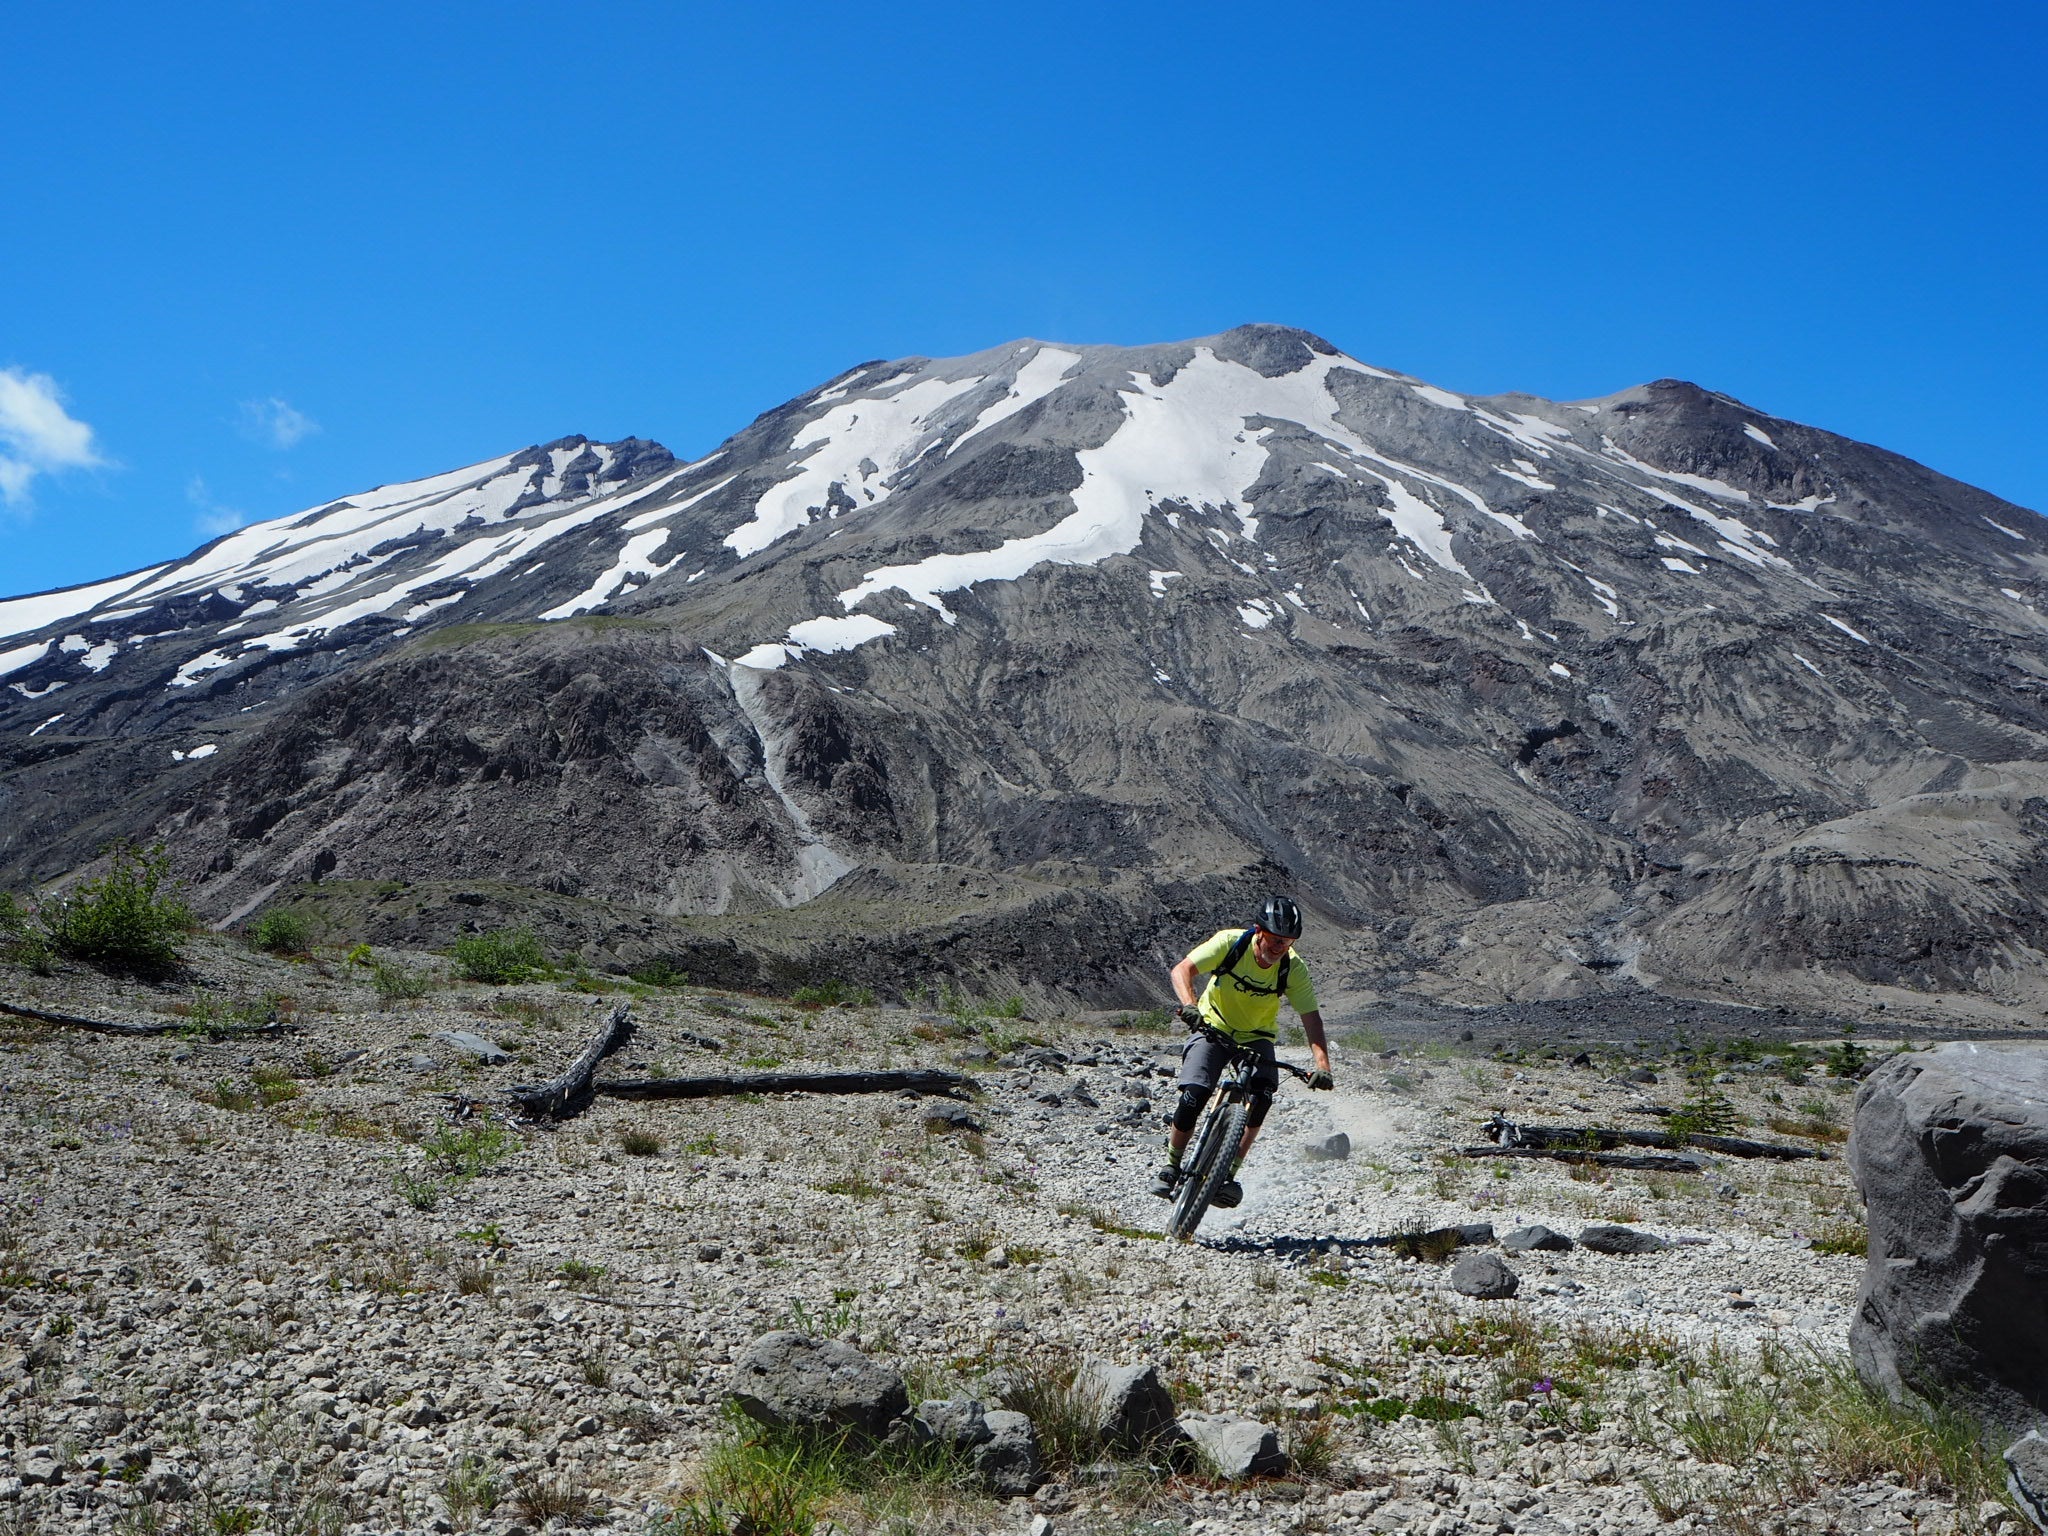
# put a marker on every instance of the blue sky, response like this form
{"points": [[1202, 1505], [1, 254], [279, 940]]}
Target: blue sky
{"points": [[260, 255]]}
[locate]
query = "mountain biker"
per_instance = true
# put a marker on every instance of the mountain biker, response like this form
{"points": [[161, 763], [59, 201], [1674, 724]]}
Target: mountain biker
{"points": [[1249, 971]]}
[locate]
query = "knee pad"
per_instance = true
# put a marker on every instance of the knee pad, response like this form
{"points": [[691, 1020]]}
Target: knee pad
{"points": [[1255, 1111], [1189, 1109]]}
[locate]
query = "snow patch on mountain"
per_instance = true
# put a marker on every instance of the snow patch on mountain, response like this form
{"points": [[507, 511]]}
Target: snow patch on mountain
{"points": [[826, 634], [1045, 371], [23, 656], [856, 448], [635, 559], [20, 615], [1188, 440]]}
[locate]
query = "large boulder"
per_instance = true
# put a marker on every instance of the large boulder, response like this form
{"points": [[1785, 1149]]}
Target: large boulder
{"points": [[2026, 1476], [1950, 1152], [793, 1381], [1008, 1462], [1130, 1404], [1236, 1448]]}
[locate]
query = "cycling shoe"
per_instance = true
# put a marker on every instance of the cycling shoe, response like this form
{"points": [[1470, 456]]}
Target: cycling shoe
{"points": [[1229, 1196], [1165, 1182]]}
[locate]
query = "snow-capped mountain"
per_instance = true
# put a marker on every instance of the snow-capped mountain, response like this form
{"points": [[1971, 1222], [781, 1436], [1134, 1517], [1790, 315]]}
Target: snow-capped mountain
{"points": [[1031, 659]]}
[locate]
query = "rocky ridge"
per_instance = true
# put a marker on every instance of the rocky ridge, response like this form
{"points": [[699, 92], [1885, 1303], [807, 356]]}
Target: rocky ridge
{"points": [[1012, 667]]}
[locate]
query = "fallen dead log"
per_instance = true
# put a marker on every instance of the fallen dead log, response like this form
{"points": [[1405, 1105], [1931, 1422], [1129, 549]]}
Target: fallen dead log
{"points": [[563, 1096], [911, 1080], [1592, 1138], [1652, 1162], [113, 1027]]}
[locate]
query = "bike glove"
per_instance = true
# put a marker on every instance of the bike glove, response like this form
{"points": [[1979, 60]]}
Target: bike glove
{"points": [[1188, 1016], [1321, 1079]]}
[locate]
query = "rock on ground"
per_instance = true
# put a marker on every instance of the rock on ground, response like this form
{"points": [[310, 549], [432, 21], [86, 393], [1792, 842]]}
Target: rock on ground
{"points": [[1607, 1237], [1950, 1151], [1236, 1448], [1534, 1238], [792, 1380], [2026, 1475], [958, 1423], [1132, 1405], [1007, 1461], [1485, 1276]]}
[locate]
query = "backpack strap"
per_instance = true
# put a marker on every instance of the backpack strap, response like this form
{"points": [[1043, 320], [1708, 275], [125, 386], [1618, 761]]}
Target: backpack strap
{"points": [[1238, 946], [1228, 968]]}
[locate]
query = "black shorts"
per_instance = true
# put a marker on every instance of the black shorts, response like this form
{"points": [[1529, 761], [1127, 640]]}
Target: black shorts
{"points": [[1202, 1061]]}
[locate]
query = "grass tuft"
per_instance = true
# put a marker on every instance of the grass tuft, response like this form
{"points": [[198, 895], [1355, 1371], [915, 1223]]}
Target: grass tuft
{"points": [[637, 1141]]}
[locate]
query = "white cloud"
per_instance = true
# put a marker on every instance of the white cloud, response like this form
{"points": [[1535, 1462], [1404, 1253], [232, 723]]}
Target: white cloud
{"points": [[37, 433], [215, 518], [277, 422]]}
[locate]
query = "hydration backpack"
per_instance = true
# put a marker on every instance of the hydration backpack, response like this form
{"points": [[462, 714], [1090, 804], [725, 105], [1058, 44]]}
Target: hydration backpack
{"points": [[1238, 947]]}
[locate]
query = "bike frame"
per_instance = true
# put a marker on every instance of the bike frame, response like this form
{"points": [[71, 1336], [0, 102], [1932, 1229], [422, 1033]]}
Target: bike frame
{"points": [[1220, 1135]]}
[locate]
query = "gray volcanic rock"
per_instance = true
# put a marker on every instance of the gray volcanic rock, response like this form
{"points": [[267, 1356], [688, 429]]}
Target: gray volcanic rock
{"points": [[470, 1043], [1485, 1276], [1950, 1152], [1130, 1403], [1534, 1238], [1041, 662], [2026, 1476], [1236, 1448], [1008, 1461], [958, 1423], [792, 1380], [1609, 1237]]}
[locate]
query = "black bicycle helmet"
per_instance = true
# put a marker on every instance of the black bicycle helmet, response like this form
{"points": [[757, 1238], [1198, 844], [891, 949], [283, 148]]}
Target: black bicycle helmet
{"points": [[1281, 917]]}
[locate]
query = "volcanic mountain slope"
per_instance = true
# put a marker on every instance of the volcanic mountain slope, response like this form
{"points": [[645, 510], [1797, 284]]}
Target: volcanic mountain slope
{"points": [[1031, 664]]}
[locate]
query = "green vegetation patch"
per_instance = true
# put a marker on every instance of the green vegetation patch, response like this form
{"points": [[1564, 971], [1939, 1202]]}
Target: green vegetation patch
{"points": [[129, 919], [499, 958]]}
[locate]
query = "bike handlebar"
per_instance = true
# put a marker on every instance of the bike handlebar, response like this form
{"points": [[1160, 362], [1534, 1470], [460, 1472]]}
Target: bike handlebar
{"points": [[1222, 1039]]}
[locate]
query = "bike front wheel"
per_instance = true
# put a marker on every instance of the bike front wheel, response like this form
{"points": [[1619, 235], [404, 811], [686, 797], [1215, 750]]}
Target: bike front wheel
{"points": [[1218, 1150]]}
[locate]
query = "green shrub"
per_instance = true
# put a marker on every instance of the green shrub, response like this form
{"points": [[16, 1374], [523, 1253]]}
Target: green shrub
{"points": [[422, 1194], [274, 1086], [23, 939], [1706, 1113], [283, 932], [661, 973], [128, 919], [467, 1150], [397, 983], [502, 957], [1849, 1058], [209, 1013]]}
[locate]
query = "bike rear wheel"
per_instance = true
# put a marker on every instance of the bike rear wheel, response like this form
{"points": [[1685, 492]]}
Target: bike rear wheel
{"points": [[1214, 1154]]}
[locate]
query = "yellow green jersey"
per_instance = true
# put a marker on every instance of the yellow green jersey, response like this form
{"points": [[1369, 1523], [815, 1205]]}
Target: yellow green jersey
{"points": [[1245, 1004]]}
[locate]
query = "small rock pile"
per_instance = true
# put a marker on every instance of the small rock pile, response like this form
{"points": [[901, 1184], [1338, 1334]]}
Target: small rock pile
{"points": [[793, 1381]]}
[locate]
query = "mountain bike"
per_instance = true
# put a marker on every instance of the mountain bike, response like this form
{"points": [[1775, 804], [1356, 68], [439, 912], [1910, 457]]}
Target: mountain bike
{"points": [[1208, 1168]]}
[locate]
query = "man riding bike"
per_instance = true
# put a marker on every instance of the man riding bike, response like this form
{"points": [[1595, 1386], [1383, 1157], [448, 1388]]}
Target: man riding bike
{"points": [[1249, 970]]}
